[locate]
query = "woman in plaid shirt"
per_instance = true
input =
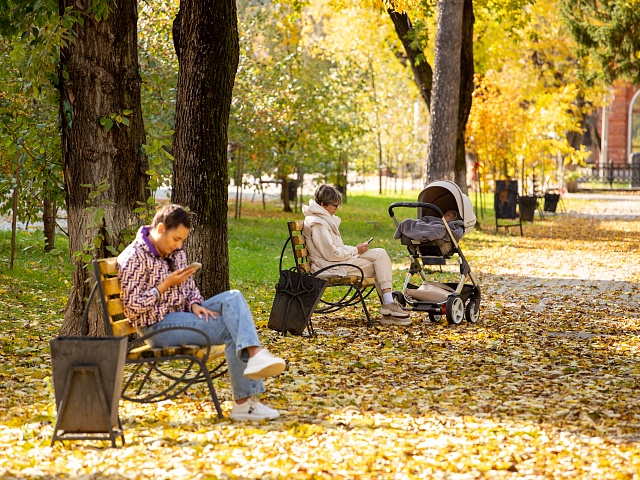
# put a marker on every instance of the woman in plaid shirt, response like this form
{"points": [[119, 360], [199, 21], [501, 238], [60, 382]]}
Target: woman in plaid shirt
{"points": [[158, 292]]}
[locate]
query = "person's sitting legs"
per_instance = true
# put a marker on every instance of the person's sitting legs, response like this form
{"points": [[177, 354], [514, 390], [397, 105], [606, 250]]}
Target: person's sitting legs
{"points": [[248, 362], [376, 263]]}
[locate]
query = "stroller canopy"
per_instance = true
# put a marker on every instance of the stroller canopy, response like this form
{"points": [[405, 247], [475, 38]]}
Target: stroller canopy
{"points": [[447, 196]]}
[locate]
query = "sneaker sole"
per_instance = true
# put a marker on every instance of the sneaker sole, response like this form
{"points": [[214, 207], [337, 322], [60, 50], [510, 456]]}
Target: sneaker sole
{"points": [[395, 321], [395, 314], [268, 371]]}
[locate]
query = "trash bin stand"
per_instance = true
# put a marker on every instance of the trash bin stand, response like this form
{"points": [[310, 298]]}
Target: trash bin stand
{"points": [[83, 387]]}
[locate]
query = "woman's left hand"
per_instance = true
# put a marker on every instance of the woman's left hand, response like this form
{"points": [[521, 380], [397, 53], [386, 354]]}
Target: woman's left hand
{"points": [[362, 247], [199, 310]]}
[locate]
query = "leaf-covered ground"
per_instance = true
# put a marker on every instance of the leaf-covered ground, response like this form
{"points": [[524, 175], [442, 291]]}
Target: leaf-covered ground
{"points": [[547, 385]]}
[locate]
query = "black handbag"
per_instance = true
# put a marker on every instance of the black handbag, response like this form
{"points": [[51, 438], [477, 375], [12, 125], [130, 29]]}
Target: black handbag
{"points": [[297, 296]]}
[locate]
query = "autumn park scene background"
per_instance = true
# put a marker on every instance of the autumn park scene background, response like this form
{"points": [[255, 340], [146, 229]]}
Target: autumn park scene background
{"points": [[239, 109]]}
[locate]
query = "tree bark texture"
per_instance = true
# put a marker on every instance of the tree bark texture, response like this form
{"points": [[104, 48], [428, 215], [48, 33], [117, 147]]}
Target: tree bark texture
{"points": [[103, 78], [422, 71], [466, 93], [441, 153], [209, 55]]}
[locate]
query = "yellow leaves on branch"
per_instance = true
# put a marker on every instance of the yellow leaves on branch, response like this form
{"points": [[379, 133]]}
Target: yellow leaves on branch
{"points": [[398, 5], [514, 124]]}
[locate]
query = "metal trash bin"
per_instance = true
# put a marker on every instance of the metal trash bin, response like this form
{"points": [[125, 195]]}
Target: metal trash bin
{"points": [[528, 205], [87, 380], [635, 170], [551, 202]]}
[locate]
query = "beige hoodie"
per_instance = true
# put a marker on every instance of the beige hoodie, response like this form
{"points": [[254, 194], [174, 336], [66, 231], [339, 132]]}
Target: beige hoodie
{"points": [[324, 243]]}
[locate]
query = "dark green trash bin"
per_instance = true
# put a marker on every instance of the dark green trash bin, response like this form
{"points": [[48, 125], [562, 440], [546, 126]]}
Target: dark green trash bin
{"points": [[528, 205], [551, 202]]}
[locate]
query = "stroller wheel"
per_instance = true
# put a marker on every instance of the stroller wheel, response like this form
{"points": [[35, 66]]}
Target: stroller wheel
{"points": [[455, 309], [434, 317], [472, 311]]}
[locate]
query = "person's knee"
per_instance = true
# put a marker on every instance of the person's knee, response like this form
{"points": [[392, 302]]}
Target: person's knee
{"points": [[235, 296]]}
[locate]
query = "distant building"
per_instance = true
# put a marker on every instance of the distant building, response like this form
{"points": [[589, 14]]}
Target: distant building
{"points": [[619, 128]]}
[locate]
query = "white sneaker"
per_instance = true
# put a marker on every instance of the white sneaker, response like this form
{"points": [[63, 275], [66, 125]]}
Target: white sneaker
{"points": [[391, 320], [393, 309], [263, 365], [252, 409]]}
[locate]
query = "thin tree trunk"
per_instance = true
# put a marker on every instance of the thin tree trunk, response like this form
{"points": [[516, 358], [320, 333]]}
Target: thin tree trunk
{"points": [[286, 201], [14, 218], [49, 223], [441, 154], [466, 94], [100, 76], [209, 55]]}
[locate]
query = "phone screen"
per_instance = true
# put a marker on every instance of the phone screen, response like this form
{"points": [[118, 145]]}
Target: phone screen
{"points": [[369, 241]]}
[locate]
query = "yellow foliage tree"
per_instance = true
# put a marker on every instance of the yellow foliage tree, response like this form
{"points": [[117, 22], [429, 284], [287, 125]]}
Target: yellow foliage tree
{"points": [[527, 105]]}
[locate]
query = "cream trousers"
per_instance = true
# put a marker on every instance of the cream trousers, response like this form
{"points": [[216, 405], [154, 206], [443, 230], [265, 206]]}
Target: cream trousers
{"points": [[375, 263]]}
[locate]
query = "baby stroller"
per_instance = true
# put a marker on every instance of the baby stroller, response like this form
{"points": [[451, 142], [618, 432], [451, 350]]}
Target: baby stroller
{"points": [[457, 301]]}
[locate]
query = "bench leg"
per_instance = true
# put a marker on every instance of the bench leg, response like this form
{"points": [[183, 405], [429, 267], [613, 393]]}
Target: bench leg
{"points": [[364, 306], [212, 390]]}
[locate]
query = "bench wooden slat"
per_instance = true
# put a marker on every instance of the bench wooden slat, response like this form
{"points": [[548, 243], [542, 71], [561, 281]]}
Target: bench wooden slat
{"points": [[136, 353], [111, 286], [302, 253], [191, 349], [351, 280], [144, 351], [114, 307], [122, 328], [298, 240], [217, 351], [108, 266], [305, 266], [296, 225]]}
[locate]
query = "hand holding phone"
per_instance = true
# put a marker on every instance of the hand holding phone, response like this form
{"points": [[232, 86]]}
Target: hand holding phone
{"points": [[194, 266], [369, 241]]}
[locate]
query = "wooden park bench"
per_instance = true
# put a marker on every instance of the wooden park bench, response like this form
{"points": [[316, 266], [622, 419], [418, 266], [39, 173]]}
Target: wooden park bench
{"points": [[355, 288], [154, 374]]}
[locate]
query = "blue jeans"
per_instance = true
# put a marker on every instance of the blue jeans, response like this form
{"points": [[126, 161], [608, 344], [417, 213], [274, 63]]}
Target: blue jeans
{"points": [[233, 327]]}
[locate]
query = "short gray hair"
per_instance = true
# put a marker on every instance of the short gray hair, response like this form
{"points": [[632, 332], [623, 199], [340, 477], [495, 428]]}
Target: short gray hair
{"points": [[328, 195]]}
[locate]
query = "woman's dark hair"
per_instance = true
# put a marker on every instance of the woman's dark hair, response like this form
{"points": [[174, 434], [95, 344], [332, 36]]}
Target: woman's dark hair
{"points": [[328, 195], [172, 216]]}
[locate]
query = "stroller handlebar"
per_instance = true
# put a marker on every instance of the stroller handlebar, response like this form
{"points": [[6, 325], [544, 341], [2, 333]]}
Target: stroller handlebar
{"points": [[414, 205]]}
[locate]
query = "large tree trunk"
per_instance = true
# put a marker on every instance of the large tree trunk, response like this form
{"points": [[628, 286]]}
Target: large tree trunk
{"points": [[466, 93], [441, 154], [209, 54], [99, 76], [423, 75]]}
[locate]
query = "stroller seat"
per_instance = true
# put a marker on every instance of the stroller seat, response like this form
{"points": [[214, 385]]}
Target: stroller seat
{"points": [[429, 250]]}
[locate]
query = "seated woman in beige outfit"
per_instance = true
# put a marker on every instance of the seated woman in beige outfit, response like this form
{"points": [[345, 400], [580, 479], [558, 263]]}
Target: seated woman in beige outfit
{"points": [[325, 247]]}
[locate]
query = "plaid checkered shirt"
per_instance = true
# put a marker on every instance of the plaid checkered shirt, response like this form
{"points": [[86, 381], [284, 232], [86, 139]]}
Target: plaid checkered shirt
{"points": [[140, 270]]}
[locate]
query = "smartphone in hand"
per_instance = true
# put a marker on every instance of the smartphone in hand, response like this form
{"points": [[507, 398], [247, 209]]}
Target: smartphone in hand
{"points": [[369, 241], [194, 266]]}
